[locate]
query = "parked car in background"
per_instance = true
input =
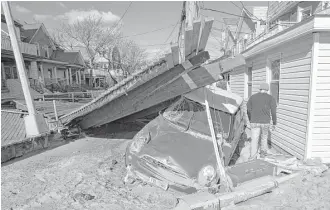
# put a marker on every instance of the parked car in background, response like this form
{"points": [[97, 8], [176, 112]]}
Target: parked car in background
{"points": [[176, 150]]}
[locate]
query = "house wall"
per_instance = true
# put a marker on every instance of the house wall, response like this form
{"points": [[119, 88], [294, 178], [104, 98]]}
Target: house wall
{"points": [[292, 109], [237, 81], [321, 121]]}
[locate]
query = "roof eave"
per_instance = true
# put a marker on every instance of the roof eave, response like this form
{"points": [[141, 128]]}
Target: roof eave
{"points": [[315, 24]]}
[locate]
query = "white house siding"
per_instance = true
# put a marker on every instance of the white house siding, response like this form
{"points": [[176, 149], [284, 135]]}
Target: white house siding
{"points": [[237, 80], [292, 109], [321, 122]]}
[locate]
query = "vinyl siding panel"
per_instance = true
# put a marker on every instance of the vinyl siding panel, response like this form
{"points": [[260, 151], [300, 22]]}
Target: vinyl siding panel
{"points": [[321, 120], [237, 80]]}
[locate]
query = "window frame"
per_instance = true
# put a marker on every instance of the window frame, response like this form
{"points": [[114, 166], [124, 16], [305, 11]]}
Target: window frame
{"points": [[247, 81], [270, 81]]}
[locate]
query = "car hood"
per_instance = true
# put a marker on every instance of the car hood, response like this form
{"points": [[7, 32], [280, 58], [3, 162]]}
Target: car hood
{"points": [[185, 151]]}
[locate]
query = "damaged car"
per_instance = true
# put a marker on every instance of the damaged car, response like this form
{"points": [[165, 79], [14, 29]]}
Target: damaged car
{"points": [[175, 150]]}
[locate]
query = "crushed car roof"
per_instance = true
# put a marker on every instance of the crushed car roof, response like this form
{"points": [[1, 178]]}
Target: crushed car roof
{"points": [[218, 98]]}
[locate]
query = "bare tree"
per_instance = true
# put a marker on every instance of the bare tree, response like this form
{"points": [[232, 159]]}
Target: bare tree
{"points": [[133, 57], [90, 33]]}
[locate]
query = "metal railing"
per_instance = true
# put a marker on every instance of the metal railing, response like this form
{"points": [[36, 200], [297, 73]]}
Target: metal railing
{"points": [[72, 96], [26, 48], [273, 31]]}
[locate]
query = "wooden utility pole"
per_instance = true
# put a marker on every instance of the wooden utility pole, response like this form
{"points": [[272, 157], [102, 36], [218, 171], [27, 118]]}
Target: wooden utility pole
{"points": [[34, 124]]}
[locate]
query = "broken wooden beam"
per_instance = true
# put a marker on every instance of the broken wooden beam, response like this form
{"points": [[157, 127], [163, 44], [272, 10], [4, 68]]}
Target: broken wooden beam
{"points": [[205, 33]]}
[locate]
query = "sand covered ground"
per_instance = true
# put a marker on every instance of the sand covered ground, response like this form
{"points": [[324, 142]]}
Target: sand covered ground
{"points": [[88, 174]]}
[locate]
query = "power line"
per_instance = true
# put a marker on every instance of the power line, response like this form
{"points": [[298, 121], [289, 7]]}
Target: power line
{"points": [[123, 14], [149, 31], [155, 44], [171, 32], [249, 11], [236, 5], [214, 10]]}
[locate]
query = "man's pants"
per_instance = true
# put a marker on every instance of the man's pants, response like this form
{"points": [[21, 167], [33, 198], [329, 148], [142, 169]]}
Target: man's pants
{"points": [[256, 129]]}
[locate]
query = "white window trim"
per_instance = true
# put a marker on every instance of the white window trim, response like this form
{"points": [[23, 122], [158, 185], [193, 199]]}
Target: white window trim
{"points": [[270, 58], [246, 80]]}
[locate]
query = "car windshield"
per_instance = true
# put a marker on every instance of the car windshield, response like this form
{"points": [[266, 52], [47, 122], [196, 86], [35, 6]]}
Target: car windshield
{"points": [[187, 113]]}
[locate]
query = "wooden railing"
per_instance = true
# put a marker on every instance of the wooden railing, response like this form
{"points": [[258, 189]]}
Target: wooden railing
{"points": [[273, 31], [26, 48]]}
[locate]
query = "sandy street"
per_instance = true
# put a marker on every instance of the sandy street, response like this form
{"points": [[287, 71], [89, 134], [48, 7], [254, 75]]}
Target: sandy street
{"points": [[85, 174], [88, 173]]}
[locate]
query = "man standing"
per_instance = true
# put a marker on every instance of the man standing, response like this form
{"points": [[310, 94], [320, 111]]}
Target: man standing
{"points": [[259, 108]]}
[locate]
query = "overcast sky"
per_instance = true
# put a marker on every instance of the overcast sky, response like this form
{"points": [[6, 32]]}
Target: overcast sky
{"points": [[141, 17]]}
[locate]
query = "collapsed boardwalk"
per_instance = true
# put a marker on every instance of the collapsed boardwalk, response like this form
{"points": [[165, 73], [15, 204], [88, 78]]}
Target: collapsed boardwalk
{"points": [[147, 88]]}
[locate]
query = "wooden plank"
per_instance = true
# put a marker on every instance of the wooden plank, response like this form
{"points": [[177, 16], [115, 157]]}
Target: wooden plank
{"points": [[322, 148], [287, 147], [325, 99], [205, 33], [169, 60], [148, 94], [296, 69], [296, 81], [296, 87], [287, 139], [294, 98], [294, 103], [322, 106], [324, 53], [175, 54], [321, 142], [321, 112], [188, 41], [322, 80], [322, 93], [291, 130], [320, 136], [299, 74], [324, 66], [323, 86], [324, 60], [321, 130], [294, 120], [301, 62], [293, 109], [323, 73], [291, 135], [322, 118], [196, 35]]}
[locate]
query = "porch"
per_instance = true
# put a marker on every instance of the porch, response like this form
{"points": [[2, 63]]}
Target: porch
{"points": [[26, 48]]}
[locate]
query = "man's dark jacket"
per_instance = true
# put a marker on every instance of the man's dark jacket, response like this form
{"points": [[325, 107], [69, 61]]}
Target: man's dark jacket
{"points": [[259, 108]]}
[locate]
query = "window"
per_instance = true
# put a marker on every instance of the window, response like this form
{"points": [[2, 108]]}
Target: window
{"points": [[8, 72], [307, 12], [50, 73], [15, 72], [275, 67], [249, 81]]}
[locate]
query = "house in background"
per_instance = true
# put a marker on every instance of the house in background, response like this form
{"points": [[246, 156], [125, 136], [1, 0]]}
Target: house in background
{"points": [[10, 83], [75, 66], [292, 54], [47, 65]]}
